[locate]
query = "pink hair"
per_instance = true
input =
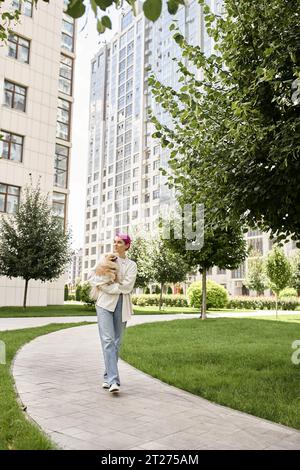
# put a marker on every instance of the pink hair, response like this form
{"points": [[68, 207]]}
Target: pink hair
{"points": [[124, 237]]}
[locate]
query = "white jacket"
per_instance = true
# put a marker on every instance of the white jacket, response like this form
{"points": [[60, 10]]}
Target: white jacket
{"points": [[109, 293]]}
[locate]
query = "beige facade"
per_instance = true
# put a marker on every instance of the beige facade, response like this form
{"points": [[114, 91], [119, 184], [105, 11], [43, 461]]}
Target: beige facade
{"points": [[37, 63]]}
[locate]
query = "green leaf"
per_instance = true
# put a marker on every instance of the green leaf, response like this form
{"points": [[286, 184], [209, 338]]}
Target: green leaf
{"points": [[152, 9], [172, 6], [94, 7], [76, 9], [100, 27], [106, 21], [104, 4]]}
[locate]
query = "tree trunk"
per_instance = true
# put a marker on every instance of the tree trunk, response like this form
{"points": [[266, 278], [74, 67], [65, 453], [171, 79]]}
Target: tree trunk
{"points": [[25, 293], [160, 297], [276, 296], [203, 306]]}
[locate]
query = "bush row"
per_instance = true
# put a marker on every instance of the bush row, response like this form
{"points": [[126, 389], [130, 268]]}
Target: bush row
{"points": [[263, 303], [177, 300]]}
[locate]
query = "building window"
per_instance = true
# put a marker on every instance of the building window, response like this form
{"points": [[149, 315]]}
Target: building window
{"points": [[14, 95], [238, 273], [24, 6], [221, 271], [63, 119], [59, 206], [11, 146], [61, 166], [256, 244], [65, 75], [18, 48], [67, 33], [9, 198], [156, 194], [155, 179]]}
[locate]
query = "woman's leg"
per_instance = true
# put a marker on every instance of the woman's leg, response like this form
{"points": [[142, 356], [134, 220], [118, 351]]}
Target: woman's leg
{"points": [[107, 337], [119, 328]]}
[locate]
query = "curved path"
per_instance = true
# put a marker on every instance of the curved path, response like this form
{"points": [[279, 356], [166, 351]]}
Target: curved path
{"points": [[58, 377]]}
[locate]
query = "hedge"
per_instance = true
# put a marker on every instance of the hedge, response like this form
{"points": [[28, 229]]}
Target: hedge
{"points": [[177, 300], [262, 303]]}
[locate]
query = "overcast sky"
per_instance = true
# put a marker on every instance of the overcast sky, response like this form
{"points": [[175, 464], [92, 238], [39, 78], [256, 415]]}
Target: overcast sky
{"points": [[88, 43]]}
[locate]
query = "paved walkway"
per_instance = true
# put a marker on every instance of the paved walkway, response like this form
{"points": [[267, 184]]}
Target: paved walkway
{"points": [[30, 322], [58, 378]]}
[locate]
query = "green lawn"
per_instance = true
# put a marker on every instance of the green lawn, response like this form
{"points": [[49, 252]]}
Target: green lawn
{"points": [[82, 310], [49, 311], [78, 310], [241, 363], [281, 317], [16, 431]]}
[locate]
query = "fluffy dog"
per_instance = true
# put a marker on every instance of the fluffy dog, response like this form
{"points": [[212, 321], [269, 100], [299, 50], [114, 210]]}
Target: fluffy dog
{"points": [[108, 267]]}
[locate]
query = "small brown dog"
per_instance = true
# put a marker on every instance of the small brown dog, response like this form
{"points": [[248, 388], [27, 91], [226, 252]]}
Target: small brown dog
{"points": [[108, 267]]}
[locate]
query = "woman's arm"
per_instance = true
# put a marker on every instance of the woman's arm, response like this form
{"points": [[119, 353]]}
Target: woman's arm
{"points": [[127, 284]]}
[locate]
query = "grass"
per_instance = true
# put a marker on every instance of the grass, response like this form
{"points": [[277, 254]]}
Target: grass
{"points": [[285, 318], [81, 310], [241, 363], [49, 311], [16, 431]]}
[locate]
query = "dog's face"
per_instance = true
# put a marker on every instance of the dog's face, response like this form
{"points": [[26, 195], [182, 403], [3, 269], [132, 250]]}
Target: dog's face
{"points": [[110, 257]]}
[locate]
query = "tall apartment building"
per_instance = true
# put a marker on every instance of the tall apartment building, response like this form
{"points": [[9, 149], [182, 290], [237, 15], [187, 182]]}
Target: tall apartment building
{"points": [[75, 270], [124, 186], [36, 75]]}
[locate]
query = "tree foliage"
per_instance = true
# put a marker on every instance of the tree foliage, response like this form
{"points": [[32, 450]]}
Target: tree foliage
{"points": [[33, 244], [235, 133], [279, 271], [256, 277], [77, 8]]}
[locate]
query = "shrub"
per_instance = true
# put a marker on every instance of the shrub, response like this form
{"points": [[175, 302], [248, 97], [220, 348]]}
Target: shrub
{"points": [[66, 295], [288, 292], [262, 303], [85, 294], [216, 295], [153, 299], [78, 292], [146, 290]]}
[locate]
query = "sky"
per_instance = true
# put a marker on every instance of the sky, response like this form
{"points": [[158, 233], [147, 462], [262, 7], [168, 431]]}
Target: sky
{"points": [[88, 43]]}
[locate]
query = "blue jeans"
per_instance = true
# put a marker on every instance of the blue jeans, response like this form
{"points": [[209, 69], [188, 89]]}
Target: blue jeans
{"points": [[111, 329]]}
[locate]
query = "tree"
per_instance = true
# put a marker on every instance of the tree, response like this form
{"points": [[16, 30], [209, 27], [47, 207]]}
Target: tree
{"points": [[33, 244], [78, 293], [225, 248], [138, 252], [166, 265], [76, 8], [236, 130], [66, 294], [279, 271], [295, 281], [256, 278]]}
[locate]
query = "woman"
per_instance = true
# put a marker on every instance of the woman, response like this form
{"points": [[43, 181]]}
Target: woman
{"points": [[114, 309]]}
